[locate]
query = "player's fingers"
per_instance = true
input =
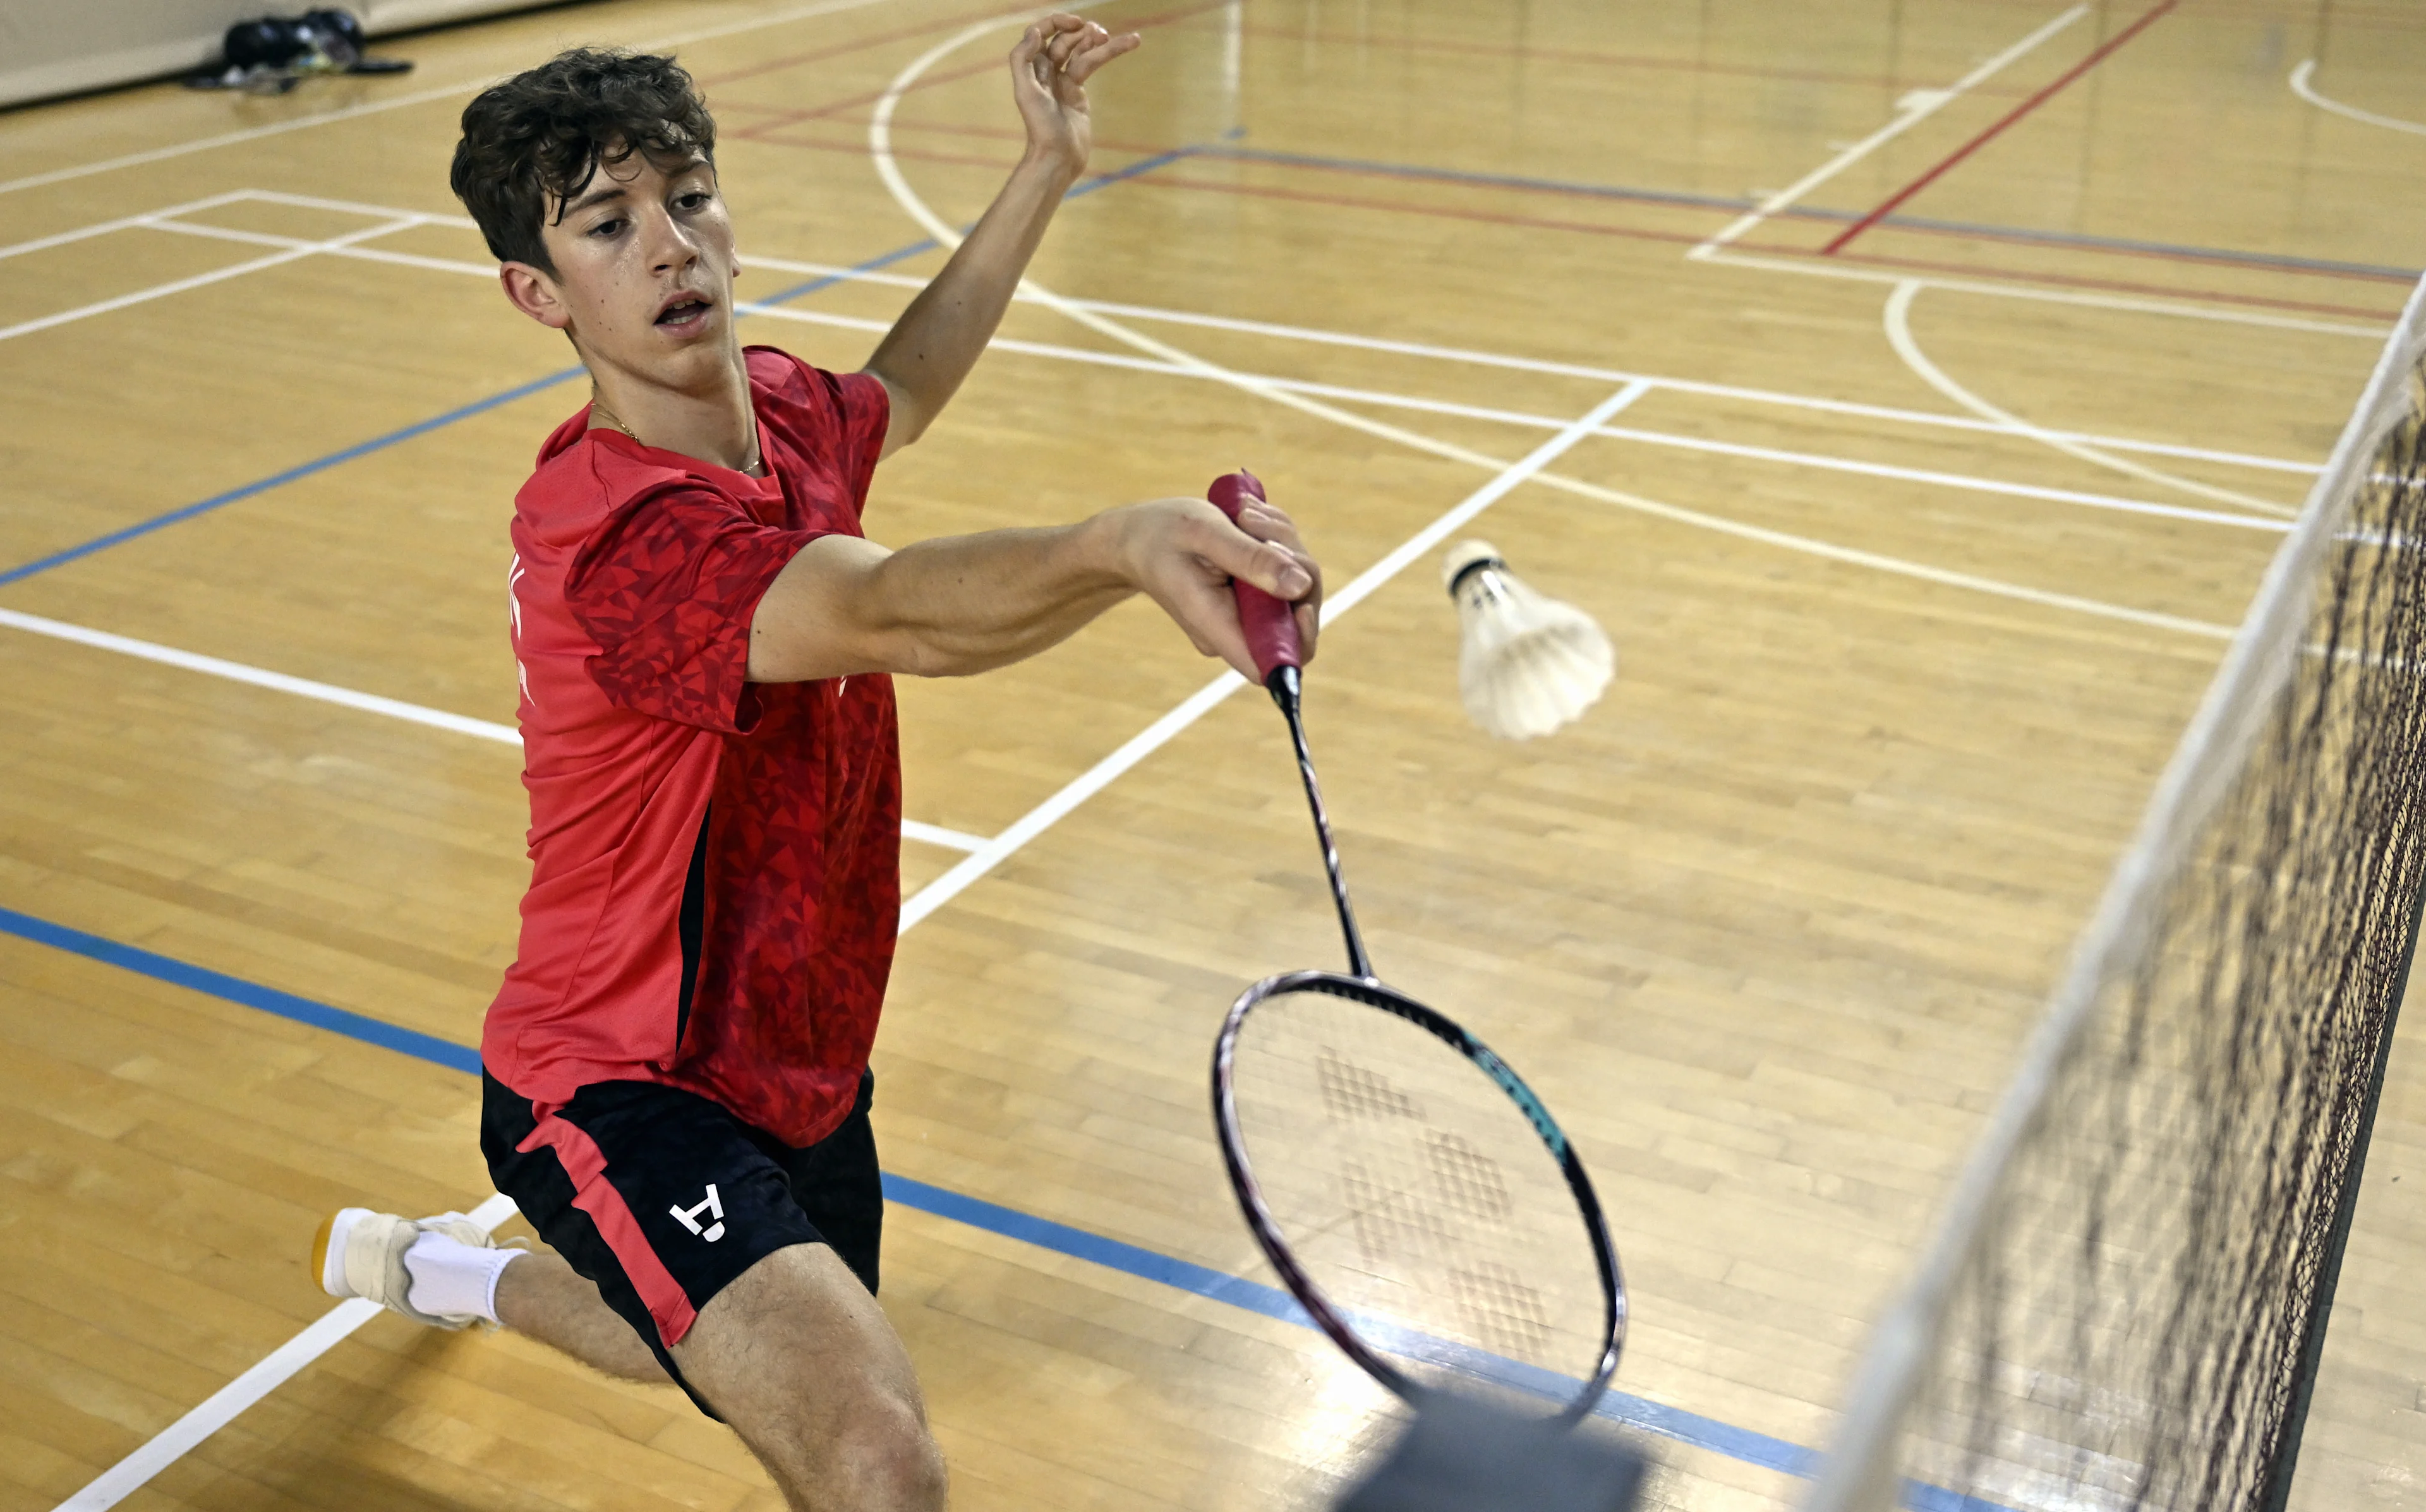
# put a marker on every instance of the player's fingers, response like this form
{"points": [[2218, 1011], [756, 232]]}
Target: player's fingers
{"points": [[1024, 71], [1066, 43], [1269, 522], [1309, 625], [1211, 620], [1269, 566], [1081, 68]]}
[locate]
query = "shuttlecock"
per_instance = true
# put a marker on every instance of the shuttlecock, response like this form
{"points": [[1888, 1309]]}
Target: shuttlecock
{"points": [[1529, 663]]}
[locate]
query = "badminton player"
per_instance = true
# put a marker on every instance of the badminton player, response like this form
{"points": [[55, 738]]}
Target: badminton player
{"points": [[676, 1090]]}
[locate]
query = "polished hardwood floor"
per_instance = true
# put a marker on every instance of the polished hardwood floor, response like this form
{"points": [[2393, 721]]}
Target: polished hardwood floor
{"points": [[1918, 547]]}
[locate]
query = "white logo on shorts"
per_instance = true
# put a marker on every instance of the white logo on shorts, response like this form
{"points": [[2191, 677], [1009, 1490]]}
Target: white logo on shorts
{"points": [[713, 1207]]}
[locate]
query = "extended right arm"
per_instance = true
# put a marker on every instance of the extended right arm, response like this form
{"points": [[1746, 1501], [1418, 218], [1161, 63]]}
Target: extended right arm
{"points": [[966, 604]]}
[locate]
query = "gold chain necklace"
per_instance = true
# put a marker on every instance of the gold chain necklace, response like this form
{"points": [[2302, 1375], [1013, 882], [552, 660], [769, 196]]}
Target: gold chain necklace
{"points": [[749, 467], [610, 417]]}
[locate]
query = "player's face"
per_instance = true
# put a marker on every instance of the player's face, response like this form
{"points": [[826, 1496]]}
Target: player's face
{"points": [[644, 268]]}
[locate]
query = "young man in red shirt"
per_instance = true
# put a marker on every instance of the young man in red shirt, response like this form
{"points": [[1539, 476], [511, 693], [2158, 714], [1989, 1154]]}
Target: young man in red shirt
{"points": [[676, 1087]]}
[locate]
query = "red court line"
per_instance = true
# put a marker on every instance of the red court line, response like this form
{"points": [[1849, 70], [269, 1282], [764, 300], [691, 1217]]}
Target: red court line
{"points": [[928, 81], [2107, 285], [1581, 56], [916, 154], [1897, 199], [862, 44], [2217, 258], [1167, 180]]}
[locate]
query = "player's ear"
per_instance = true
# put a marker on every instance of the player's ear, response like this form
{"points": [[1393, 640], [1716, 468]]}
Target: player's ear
{"points": [[535, 295]]}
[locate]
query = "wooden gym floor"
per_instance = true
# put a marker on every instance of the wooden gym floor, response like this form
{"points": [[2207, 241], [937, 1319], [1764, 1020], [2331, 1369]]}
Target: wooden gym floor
{"points": [[1918, 551]]}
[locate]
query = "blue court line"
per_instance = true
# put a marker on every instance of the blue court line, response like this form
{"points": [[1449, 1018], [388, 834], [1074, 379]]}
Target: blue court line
{"points": [[275, 480], [160, 968], [422, 427], [1712, 202], [1112, 1254]]}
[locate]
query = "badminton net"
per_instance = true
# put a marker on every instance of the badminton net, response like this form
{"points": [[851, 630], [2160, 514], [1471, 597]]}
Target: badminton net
{"points": [[2123, 1303]]}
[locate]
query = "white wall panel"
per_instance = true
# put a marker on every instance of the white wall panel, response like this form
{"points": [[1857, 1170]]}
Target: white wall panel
{"points": [[49, 47]]}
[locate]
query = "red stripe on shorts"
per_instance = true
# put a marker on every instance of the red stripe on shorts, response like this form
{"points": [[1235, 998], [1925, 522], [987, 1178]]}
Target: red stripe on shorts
{"points": [[595, 1194]]}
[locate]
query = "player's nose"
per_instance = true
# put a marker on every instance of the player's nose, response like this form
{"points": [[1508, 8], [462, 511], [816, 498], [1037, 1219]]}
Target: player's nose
{"points": [[670, 244]]}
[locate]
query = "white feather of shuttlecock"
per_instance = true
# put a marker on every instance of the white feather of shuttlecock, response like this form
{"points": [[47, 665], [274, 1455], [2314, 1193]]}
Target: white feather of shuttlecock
{"points": [[1529, 663]]}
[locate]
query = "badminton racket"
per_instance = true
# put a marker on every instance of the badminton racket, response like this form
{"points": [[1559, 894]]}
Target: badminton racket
{"points": [[1412, 1194]]}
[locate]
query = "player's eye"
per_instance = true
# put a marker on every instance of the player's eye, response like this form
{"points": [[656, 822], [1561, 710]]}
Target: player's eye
{"points": [[608, 227], [696, 200]]}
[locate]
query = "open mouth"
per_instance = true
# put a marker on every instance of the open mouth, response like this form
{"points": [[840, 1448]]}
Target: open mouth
{"points": [[686, 313]]}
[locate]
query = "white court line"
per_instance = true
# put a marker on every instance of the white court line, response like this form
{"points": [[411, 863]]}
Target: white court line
{"points": [[305, 687], [158, 220], [366, 254], [1911, 111], [1406, 348], [221, 1407], [1897, 318], [1294, 393], [27, 328], [356, 207], [104, 228], [1945, 480], [1037, 820], [396, 101], [880, 148], [1965, 482], [1819, 268], [2306, 90], [121, 1480], [1578, 370]]}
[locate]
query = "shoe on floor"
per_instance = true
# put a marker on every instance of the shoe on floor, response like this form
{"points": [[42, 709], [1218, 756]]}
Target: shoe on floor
{"points": [[359, 1253]]}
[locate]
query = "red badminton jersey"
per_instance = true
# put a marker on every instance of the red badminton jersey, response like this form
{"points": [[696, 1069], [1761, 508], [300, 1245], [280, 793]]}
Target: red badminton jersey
{"points": [[715, 862]]}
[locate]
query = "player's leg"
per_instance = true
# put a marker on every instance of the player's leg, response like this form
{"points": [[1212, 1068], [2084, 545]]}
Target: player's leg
{"points": [[811, 1324], [687, 1221], [540, 1296], [796, 1356]]}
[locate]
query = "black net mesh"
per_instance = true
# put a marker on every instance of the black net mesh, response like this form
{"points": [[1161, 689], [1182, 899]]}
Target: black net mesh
{"points": [[2135, 1321]]}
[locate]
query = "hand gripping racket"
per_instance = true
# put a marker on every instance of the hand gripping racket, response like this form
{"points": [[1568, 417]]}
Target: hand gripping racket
{"points": [[1415, 1196]]}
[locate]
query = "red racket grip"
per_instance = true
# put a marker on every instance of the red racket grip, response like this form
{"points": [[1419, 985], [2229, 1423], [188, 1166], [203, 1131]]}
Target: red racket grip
{"points": [[1270, 623]]}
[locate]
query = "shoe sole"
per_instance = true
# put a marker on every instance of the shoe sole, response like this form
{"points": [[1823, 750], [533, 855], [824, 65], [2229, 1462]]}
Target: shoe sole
{"points": [[329, 1249]]}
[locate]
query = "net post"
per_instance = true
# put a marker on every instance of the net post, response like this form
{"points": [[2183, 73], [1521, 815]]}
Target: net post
{"points": [[2295, 1417]]}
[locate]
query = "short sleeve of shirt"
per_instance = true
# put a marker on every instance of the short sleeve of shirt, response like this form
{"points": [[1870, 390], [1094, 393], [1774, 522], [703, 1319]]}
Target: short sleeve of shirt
{"points": [[866, 411], [667, 585], [841, 417]]}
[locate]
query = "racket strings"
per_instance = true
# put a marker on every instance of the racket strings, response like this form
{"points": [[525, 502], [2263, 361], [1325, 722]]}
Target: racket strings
{"points": [[1417, 1196]]}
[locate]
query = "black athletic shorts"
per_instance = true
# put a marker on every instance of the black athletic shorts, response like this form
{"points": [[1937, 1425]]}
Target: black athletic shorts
{"points": [[662, 1197]]}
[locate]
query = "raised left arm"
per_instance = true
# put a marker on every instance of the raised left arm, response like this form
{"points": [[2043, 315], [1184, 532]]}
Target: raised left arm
{"points": [[922, 360]]}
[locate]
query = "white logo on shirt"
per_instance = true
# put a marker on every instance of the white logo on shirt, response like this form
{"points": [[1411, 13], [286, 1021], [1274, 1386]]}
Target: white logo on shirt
{"points": [[713, 1207], [514, 615]]}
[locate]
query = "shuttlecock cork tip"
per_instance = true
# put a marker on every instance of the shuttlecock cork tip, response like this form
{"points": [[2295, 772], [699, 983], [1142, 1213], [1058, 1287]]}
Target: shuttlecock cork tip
{"points": [[1465, 556]]}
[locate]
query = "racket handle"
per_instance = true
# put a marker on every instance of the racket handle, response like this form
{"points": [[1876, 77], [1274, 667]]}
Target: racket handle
{"points": [[1270, 623]]}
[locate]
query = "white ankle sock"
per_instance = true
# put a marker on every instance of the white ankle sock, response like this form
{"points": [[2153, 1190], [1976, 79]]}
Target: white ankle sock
{"points": [[451, 1279]]}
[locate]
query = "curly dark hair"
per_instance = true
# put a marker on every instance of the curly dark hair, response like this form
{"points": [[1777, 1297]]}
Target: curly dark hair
{"points": [[533, 143]]}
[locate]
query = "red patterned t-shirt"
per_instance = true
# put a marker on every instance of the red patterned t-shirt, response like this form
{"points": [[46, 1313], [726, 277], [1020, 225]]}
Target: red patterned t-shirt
{"points": [[715, 862]]}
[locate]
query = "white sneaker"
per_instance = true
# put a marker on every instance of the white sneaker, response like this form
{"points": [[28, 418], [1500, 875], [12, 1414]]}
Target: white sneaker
{"points": [[359, 1253]]}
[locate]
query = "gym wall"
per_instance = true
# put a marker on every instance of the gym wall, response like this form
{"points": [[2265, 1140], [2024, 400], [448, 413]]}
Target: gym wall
{"points": [[49, 47]]}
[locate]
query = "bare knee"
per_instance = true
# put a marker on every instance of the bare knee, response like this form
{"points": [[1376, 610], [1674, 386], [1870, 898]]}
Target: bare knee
{"points": [[876, 1456], [891, 1453]]}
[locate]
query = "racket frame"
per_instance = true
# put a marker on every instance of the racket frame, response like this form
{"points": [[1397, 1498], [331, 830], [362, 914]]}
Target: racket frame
{"points": [[1266, 1229]]}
